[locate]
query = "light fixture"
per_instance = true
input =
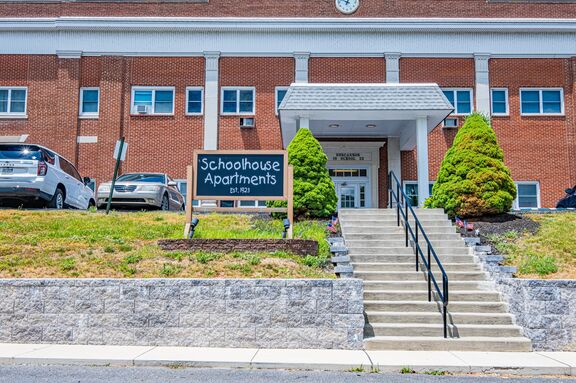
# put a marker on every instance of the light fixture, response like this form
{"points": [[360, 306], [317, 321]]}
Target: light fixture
{"points": [[333, 126], [370, 126], [193, 224], [286, 223]]}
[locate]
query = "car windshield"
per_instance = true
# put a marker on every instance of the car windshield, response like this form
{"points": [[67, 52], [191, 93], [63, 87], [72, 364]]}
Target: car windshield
{"points": [[20, 152], [153, 178]]}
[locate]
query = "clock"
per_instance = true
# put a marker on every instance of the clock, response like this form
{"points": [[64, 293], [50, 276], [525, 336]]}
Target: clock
{"points": [[347, 6]]}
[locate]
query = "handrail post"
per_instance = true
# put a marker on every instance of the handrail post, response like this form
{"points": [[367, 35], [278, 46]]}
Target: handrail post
{"points": [[429, 276], [407, 219], [398, 204], [445, 304]]}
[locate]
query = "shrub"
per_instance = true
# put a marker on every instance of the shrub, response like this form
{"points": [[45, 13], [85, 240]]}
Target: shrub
{"points": [[473, 180], [314, 193]]}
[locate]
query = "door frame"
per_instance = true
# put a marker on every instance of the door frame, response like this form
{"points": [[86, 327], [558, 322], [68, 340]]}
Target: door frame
{"points": [[356, 181]]}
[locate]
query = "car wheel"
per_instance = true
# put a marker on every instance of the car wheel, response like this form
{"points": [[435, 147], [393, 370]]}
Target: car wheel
{"points": [[57, 201], [165, 203], [91, 204]]}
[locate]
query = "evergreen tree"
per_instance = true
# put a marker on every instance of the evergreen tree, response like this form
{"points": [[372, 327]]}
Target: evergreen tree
{"points": [[314, 193], [473, 180]]}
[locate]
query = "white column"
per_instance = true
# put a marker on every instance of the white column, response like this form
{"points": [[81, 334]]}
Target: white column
{"points": [[394, 164], [392, 68], [304, 123], [482, 83], [301, 67], [211, 101], [422, 149]]}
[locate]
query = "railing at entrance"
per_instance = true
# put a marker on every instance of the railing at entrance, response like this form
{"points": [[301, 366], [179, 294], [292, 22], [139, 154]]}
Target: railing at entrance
{"points": [[404, 210]]}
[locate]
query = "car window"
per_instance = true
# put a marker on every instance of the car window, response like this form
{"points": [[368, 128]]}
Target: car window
{"points": [[141, 177], [69, 169], [20, 152]]}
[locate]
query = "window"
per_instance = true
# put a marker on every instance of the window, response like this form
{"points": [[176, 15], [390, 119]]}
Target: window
{"points": [[280, 93], [499, 102], [461, 100], [411, 190], [182, 188], [238, 100], [194, 100], [254, 204], [89, 100], [528, 195], [69, 169], [13, 101], [348, 172], [547, 101], [158, 100]]}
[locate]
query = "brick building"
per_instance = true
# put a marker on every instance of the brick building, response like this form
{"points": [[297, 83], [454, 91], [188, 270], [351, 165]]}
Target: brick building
{"points": [[177, 75]]}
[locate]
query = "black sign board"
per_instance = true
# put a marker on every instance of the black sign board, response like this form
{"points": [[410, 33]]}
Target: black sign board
{"points": [[238, 175]]}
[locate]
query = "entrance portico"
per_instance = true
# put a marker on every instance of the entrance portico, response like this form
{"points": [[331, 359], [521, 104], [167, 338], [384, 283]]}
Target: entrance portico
{"points": [[360, 118]]}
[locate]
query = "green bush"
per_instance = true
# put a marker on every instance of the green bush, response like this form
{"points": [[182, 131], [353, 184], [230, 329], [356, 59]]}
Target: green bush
{"points": [[473, 180], [314, 193]]}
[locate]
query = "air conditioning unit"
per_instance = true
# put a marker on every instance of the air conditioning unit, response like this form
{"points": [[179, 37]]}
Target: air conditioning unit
{"points": [[247, 123], [142, 109], [451, 123]]}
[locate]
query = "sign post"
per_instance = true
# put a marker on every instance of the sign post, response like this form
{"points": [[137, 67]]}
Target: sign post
{"points": [[240, 176], [119, 155]]}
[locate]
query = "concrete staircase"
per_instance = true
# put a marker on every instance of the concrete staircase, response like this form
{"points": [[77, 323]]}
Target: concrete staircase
{"points": [[398, 314]]}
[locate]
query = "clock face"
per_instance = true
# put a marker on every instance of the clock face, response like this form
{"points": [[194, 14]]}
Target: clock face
{"points": [[347, 6]]}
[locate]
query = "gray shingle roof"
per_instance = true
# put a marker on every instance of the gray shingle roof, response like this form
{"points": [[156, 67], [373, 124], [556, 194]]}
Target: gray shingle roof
{"points": [[365, 97]]}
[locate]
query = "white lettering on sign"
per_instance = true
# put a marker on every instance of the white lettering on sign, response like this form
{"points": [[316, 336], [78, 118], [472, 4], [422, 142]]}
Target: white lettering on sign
{"points": [[351, 156]]}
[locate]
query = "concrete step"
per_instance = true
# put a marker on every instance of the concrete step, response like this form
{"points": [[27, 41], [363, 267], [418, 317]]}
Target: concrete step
{"points": [[435, 330], [423, 285], [419, 306], [400, 242], [410, 266], [374, 317], [346, 212], [422, 295], [435, 238], [391, 230], [417, 276], [403, 250], [408, 258], [387, 222], [414, 343]]}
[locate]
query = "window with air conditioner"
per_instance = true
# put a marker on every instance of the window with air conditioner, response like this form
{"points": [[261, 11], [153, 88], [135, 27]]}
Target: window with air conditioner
{"points": [[153, 100], [461, 99], [238, 101]]}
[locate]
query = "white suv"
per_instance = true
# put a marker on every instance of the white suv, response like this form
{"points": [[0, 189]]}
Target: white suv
{"points": [[32, 173]]}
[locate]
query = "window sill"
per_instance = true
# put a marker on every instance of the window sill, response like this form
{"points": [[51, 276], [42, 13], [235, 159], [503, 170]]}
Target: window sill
{"points": [[194, 114], [13, 116], [542, 115], [500, 115], [238, 115], [152, 115], [89, 117]]}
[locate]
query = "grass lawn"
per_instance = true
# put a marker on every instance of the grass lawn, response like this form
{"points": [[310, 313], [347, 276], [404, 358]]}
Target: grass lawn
{"points": [[68, 244], [550, 253]]}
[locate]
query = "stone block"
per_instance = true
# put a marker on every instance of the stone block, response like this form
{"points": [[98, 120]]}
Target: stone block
{"points": [[119, 336], [240, 337], [28, 306], [6, 305], [348, 320], [316, 320], [302, 306], [89, 307], [152, 337], [163, 320], [194, 320], [164, 292], [544, 294], [59, 306], [26, 334], [119, 306], [103, 320], [57, 334], [267, 292]]}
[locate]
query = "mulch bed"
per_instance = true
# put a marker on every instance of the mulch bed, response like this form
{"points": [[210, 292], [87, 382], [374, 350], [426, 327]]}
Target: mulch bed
{"points": [[501, 224]]}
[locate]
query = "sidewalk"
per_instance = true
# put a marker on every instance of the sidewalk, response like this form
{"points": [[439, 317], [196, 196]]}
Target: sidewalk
{"points": [[535, 363]]}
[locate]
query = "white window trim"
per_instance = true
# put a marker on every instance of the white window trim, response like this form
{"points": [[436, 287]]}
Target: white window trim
{"points": [[15, 114], [469, 90], [515, 204], [153, 89], [505, 90], [201, 89], [237, 89], [256, 206], [541, 102], [276, 96], [88, 114]]}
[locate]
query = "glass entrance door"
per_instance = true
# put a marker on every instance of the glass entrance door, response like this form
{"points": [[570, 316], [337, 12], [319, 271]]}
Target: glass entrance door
{"points": [[351, 195]]}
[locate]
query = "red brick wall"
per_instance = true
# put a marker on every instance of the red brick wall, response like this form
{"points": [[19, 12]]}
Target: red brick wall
{"points": [[535, 148], [346, 70], [265, 74], [449, 73], [296, 8]]}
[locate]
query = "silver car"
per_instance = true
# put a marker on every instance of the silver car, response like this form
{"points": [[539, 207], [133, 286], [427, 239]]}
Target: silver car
{"points": [[145, 190]]}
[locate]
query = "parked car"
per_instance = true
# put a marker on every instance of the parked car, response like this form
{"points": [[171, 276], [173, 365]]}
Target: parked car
{"points": [[145, 190], [35, 174]]}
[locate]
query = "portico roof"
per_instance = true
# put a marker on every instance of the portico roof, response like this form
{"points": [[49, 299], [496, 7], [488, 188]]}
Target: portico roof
{"points": [[362, 110]]}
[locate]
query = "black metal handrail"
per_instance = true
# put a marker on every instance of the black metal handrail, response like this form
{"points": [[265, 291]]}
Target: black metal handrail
{"points": [[403, 208]]}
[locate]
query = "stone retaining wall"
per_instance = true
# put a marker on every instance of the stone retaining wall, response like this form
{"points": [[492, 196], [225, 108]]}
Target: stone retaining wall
{"points": [[546, 309], [184, 312]]}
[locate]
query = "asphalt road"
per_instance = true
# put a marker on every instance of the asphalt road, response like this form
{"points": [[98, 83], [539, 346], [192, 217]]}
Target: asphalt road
{"points": [[61, 374]]}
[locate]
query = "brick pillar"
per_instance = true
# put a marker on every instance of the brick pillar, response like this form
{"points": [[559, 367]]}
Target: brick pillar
{"points": [[383, 178], [67, 89], [570, 109], [114, 112]]}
